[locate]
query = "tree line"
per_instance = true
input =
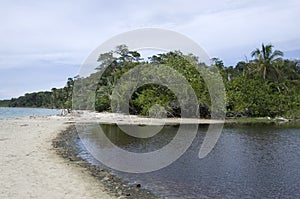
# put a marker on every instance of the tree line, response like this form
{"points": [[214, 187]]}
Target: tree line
{"points": [[266, 85], [57, 98]]}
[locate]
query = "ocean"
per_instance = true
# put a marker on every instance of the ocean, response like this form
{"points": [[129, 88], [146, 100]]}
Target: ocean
{"points": [[8, 112]]}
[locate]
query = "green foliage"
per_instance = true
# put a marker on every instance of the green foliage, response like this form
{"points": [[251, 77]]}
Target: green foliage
{"points": [[150, 95], [265, 86], [264, 59], [40, 99], [254, 97], [102, 101], [4, 103], [57, 98]]}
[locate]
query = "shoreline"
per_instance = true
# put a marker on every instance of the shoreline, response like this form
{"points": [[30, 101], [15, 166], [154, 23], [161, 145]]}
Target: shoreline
{"points": [[113, 184], [64, 146], [87, 116], [122, 119], [37, 159]]}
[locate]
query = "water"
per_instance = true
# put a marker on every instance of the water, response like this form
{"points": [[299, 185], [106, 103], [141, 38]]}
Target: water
{"points": [[23, 112], [247, 162]]}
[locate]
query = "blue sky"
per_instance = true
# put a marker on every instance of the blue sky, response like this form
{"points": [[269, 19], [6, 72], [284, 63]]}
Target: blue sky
{"points": [[42, 43]]}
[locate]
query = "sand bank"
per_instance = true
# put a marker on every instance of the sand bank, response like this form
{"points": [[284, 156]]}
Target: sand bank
{"points": [[30, 167], [110, 118]]}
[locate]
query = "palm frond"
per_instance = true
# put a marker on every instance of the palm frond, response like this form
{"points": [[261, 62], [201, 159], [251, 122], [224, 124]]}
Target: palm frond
{"points": [[276, 53], [255, 53]]}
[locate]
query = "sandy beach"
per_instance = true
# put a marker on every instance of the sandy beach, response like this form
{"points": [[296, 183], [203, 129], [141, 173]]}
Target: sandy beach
{"points": [[122, 119], [30, 167]]}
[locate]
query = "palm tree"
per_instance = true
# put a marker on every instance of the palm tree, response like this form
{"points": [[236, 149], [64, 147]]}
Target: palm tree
{"points": [[264, 59]]}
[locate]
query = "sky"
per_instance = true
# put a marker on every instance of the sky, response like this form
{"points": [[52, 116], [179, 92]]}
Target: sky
{"points": [[42, 43]]}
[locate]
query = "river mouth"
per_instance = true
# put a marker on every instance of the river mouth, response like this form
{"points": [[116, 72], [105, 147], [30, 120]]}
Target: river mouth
{"points": [[247, 162]]}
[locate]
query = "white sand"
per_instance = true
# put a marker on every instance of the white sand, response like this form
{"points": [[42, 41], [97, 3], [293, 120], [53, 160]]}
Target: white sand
{"points": [[30, 168], [108, 118]]}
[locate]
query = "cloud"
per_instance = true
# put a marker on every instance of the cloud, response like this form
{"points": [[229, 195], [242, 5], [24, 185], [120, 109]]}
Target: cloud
{"points": [[245, 25], [21, 60], [33, 78], [56, 33], [33, 27]]}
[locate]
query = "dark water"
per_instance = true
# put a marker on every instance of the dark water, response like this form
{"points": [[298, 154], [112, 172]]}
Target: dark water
{"points": [[247, 162]]}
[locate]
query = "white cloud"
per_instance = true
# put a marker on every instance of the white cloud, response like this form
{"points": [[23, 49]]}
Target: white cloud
{"points": [[21, 60], [33, 27], [245, 26], [65, 32]]}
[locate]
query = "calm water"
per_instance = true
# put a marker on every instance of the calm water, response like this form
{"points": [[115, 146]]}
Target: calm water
{"points": [[247, 162], [23, 112]]}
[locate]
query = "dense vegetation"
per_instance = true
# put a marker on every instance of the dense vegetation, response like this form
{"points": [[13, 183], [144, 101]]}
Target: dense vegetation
{"points": [[267, 85], [4, 103]]}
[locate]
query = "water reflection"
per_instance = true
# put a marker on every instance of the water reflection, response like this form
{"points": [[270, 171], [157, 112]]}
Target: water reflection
{"points": [[138, 145], [247, 162], [136, 155]]}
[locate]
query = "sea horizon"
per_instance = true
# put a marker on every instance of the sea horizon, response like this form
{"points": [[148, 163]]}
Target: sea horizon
{"points": [[19, 112]]}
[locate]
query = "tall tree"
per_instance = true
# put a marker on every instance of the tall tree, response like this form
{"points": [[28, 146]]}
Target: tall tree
{"points": [[264, 59]]}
